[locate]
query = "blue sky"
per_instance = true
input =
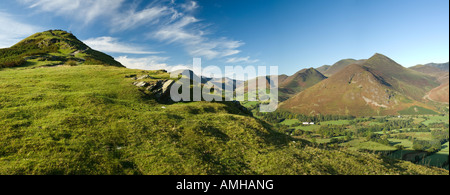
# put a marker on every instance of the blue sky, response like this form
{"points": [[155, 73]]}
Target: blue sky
{"points": [[291, 34]]}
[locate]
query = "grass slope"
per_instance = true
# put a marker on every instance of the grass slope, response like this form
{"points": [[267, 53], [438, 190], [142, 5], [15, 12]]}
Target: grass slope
{"points": [[92, 120], [53, 47]]}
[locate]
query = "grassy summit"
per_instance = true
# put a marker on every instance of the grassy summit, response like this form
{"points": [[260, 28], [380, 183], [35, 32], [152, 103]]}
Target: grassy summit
{"points": [[53, 47], [92, 120]]}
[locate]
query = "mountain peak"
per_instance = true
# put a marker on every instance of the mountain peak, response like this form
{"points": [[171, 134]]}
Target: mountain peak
{"points": [[306, 70], [53, 47], [380, 58], [382, 61], [341, 64], [52, 38], [378, 55]]}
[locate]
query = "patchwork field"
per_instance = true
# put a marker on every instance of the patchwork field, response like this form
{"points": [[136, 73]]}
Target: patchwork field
{"points": [[404, 138]]}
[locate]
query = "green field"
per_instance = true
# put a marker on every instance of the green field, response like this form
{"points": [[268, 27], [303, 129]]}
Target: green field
{"points": [[249, 104], [391, 147], [338, 122], [436, 119], [290, 122], [406, 143]]}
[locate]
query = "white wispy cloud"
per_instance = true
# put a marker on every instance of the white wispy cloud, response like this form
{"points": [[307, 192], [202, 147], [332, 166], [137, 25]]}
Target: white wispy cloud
{"points": [[168, 22], [150, 63], [194, 39], [111, 44], [242, 59], [81, 10], [132, 18], [12, 31], [190, 6]]}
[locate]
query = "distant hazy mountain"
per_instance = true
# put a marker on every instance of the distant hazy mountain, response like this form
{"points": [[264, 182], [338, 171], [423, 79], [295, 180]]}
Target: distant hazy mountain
{"points": [[222, 83], [442, 66], [323, 68], [298, 82], [441, 73], [338, 66], [379, 86], [439, 94], [53, 47], [288, 86], [430, 70]]}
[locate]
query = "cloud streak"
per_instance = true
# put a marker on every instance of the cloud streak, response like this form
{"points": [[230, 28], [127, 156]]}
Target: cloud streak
{"points": [[133, 19], [167, 22], [82, 10], [14, 31], [184, 32], [111, 44], [149, 63], [242, 59]]}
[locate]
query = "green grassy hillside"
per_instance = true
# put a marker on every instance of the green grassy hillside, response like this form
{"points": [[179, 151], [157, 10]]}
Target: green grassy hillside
{"points": [[93, 120], [53, 47]]}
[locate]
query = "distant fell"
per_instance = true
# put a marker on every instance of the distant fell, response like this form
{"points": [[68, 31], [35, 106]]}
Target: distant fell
{"points": [[430, 70], [53, 47], [379, 86], [288, 86], [442, 66], [408, 82], [338, 66], [298, 82], [222, 83], [441, 74], [323, 68]]}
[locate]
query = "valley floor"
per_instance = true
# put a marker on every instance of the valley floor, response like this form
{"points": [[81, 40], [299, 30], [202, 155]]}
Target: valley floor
{"points": [[420, 139]]}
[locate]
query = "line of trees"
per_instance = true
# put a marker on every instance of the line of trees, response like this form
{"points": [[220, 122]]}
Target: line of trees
{"points": [[439, 137], [280, 116]]}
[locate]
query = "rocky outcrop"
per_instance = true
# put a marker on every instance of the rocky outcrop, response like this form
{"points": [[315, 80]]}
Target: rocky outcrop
{"points": [[160, 89]]}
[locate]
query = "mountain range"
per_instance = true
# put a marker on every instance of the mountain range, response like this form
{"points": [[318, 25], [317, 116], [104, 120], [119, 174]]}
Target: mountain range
{"points": [[288, 86], [377, 86]]}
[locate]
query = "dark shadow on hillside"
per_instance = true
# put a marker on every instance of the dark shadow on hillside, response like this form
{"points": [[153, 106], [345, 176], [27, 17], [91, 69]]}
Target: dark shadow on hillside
{"points": [[417, 157], [435, 160]]}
